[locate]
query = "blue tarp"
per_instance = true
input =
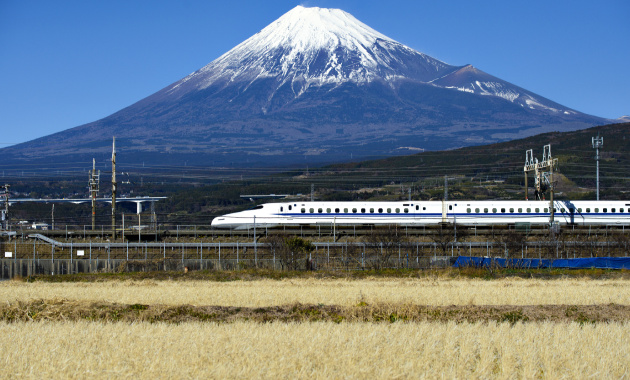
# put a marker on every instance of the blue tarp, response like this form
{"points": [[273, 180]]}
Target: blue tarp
{"points": [[593, 262]]}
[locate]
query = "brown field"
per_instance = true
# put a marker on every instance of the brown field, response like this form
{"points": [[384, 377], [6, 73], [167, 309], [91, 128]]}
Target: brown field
{"points": [[314, 350], [264, 293], [317, 328]]}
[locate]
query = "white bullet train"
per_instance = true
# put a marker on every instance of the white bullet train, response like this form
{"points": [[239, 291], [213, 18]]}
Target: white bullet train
{"points": [[418, 213]]}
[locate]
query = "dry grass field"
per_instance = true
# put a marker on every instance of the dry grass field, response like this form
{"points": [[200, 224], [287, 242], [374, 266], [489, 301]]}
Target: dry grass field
{"points": [[263, 293], [314, 350], [389, 328]]}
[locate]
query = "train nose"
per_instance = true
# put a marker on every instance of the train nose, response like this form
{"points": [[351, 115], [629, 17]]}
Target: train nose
{"points": [[218, 222]]}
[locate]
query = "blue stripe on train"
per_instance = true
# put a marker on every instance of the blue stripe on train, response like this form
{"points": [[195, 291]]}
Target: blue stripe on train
{"points": [[487, 215]]}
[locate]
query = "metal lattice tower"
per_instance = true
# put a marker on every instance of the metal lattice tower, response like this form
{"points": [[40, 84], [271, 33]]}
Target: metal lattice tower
{"points": [[598, 142], [543, 176]]}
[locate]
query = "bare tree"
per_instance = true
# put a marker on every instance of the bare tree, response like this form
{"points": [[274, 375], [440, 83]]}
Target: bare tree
{"points": [[446, 235], [554, 246], [511, 242], [621, 241], [384, 242], [585, 245], [291, 252], [351, 256]]}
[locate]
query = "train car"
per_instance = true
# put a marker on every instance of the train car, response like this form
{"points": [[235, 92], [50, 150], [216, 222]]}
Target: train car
{"points": [[418, 213]]}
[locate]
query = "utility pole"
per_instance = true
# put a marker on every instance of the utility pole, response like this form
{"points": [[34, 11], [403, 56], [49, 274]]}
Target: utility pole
{"points": [[312, 192], [93, 184], [548, 163], [598, 142], [5, 213], [531, 165], [445, 188], [444, 207], [114, 189]]}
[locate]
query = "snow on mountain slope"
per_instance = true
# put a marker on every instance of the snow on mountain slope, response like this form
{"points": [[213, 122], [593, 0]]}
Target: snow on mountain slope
{"points": [[316, 46], [474, 81]]}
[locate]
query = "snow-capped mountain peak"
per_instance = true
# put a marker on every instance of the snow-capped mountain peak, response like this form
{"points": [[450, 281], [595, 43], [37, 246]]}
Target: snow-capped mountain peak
{"points": [[317, 46], [309, 29]]}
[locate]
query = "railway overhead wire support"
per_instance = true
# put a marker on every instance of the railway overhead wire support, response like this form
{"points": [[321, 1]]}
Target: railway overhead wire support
{"points": [[4, 194], [93, 184], [598, 142], [114, 188], [543, 176]]}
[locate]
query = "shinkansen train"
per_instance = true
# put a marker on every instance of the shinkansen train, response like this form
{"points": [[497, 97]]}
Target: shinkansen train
{"points": [[418, 213]]}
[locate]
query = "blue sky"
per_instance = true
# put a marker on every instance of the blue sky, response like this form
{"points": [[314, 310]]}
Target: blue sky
{"points": [[66, 63]]}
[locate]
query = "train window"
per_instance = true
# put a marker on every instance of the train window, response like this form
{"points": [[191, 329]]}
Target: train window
{"points": [[612, 210], [477, 210], [468, 210], [362, 211], [389, 210], [502, 209], [605, 209], [371, 211], [620, 210], [380, 210], [596, 209], [520, 209], [281, 209], [303, 210], [312, 210], [511, 209], [345, 210], [580, 210], [289, 207], [494, 210], [319, 210], [537, 210], [337, 210], [546, 209], [354, 210], [417, 207], [328, 210], [406, 210], [424, 208], [485, 210], [397, 210], [529, 209], [450, 207]]}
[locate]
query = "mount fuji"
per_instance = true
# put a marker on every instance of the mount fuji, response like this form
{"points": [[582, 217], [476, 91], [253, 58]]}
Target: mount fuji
{"points": [[315, 86]]}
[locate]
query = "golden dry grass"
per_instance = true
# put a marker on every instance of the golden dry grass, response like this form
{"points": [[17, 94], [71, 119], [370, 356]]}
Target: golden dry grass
{"points": [[262, 293], [314, 350]]}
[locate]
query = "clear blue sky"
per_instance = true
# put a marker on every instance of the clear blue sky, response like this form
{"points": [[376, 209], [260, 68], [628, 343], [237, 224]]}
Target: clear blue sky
{"points": [[66, 63]]}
